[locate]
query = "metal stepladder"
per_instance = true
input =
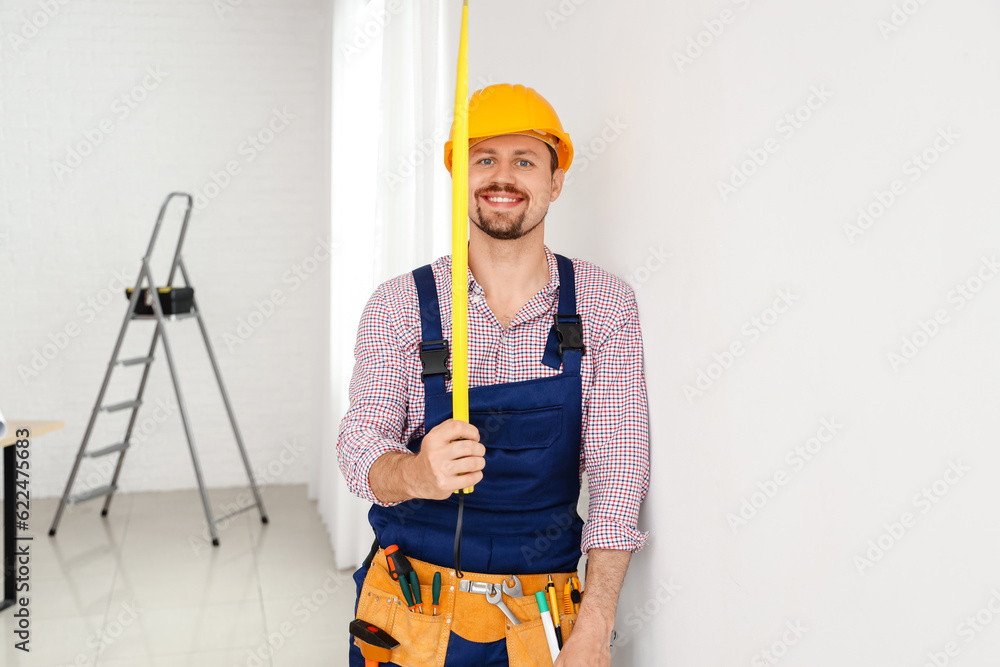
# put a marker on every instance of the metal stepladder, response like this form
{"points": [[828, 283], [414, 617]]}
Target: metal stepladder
{"points": [[122, 447]]}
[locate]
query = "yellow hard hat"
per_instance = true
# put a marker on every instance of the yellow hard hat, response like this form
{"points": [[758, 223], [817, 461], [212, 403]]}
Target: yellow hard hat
{"points": [[513, 109]]}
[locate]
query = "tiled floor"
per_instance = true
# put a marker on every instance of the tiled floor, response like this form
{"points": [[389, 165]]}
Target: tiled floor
{"points": [[145, 587]]}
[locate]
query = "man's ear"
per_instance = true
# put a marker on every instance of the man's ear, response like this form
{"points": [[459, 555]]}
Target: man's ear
{"points": [[558, 178]]}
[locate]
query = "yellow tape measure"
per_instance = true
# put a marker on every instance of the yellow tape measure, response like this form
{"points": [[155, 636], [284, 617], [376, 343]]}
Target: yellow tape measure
{"points": [[460, 233]]}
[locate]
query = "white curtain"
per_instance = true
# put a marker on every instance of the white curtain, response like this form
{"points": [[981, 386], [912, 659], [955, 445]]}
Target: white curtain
{"points": [[393, 97]]}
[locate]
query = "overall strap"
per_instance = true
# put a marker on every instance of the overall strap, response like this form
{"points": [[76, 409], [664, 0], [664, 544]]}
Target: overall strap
{"points": [[433, 348], [566, 334]]}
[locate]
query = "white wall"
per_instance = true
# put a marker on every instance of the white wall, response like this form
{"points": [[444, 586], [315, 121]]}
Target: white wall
{"points": [[224, 70], [702, 594]]}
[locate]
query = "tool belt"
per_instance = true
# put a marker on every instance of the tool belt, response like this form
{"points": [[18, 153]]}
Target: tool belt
{"points": [[423, 638]]}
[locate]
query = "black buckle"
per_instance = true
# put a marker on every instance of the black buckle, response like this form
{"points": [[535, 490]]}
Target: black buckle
{"points": [[434, 358], [569, 332]]}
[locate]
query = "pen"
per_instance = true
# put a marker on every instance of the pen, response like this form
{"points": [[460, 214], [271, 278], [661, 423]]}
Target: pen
{"points": [[550, 631], [550, 590]]}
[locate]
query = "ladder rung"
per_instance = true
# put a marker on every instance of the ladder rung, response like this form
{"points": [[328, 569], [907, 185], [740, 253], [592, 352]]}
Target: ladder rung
{"points": [[110, 449], [136, 360], [90, 495], [234, 513], [124, 405]]}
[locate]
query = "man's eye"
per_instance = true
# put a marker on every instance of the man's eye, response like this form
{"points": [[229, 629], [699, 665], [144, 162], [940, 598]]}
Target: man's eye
{"points": [[524, 163], [486, 160]]}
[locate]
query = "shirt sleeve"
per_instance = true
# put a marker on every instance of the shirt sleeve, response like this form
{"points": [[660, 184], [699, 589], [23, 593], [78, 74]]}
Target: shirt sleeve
{"points": [[375, 420], [616, 441]]}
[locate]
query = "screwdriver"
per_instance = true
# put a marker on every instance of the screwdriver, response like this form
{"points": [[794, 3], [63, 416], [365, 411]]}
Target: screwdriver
{"points": [[415, 585], [436, 591], [399, 566], [400, 569]]}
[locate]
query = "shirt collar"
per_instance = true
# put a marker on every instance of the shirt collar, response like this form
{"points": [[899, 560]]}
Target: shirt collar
{"points": [[550, 288]]}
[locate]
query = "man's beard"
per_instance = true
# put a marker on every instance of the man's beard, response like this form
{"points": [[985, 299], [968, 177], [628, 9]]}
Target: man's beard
{"points": [[494, 227]]}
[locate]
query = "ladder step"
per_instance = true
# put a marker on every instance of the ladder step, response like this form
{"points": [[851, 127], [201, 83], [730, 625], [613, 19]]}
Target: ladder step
{"points": [[110, 449], [169, 318], [145, 361], [90, 495], [124, 405]]}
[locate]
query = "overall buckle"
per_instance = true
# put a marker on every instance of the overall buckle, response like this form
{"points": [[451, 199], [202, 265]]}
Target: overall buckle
{"points": [[569, 332], [434, 358]]}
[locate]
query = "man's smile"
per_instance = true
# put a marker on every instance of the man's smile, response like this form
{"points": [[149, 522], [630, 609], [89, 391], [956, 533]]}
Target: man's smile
{"points": [[502, 200]]}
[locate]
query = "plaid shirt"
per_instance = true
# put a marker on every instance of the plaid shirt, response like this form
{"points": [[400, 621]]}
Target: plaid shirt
{"points": [[387, 395]]}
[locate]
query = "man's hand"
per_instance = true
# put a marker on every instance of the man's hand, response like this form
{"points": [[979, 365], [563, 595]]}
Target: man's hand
{"points": [[586, 647], [451, 457], [590, 643]]}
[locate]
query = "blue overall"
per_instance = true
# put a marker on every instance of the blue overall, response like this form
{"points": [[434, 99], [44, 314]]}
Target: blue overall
{"points": [[521, 518]]}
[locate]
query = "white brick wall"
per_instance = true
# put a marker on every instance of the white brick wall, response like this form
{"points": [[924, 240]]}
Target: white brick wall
{"points": [[157, 97]]}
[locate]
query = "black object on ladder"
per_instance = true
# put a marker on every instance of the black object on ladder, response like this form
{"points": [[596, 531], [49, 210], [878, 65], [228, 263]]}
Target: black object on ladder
{"points": [[135, 310]]}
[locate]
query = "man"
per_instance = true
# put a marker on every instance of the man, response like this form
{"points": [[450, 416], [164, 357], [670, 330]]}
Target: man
{"points": [[534, 429]]}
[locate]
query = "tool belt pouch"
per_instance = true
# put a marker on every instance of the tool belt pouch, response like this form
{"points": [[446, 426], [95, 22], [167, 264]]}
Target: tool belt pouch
{"points": [[526, 643], [423, 638]]}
